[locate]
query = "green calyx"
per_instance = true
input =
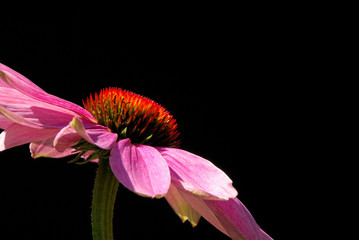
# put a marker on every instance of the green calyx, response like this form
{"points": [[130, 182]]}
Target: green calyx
{"points": [[83, 147]]}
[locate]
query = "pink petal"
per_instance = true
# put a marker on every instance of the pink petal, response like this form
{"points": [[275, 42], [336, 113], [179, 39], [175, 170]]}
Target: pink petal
{"points": [[95, 134], [197, 175], [140, 168], [230, 217], [45, 148], [235, 218], [16, 135], [4, 122], [11, 79], [33, 113], [6, 72], [200, 206], [13, 118], [65, 138], [265, 236], [181, 207]]}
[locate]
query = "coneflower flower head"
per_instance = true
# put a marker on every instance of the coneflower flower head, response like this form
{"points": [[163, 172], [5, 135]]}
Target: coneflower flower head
{"points": [[135, 141], [133, 116]]}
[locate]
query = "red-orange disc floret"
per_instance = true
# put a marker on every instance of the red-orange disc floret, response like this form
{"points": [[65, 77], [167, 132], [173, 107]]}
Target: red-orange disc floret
{"points": [[133, 116]]}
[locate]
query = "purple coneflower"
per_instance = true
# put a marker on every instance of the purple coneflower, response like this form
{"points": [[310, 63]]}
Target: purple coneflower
{"points": [[135, 142]]}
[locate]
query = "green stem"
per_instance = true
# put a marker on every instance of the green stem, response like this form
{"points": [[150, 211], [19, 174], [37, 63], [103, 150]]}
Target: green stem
{"points": [[103, 201]]}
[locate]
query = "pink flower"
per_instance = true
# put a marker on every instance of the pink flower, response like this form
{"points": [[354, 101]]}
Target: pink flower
{"points": [[138, 137]]}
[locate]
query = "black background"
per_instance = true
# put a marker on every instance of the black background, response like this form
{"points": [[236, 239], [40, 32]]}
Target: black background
{"points": [[227, 76]]}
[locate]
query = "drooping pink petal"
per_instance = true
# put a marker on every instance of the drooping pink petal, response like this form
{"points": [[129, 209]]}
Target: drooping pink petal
{"points": [[16, 135], [65, 138], [230, 217], [11, 79], [45, 148], [5, 74], [236, 219], [140, 168], [200, 206], [181, 207], [197, 175], [28, 111], [265, 236], [17, 119], [95, 134], [4, 122]]}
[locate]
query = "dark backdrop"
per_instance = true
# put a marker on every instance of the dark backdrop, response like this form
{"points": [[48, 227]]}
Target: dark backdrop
{"points": [[222, 74]]}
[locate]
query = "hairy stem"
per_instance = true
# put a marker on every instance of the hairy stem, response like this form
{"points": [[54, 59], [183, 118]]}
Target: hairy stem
{"points": [[103, 201]]}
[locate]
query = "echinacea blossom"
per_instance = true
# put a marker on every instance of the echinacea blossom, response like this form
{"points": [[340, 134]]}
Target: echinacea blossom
{"points": [[137, 142]]}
